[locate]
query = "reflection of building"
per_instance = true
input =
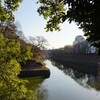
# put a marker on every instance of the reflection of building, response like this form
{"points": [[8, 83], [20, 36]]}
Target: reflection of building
{"points": [[86, 80]]}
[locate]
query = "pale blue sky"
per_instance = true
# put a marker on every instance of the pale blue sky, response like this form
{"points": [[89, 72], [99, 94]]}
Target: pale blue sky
{"points": [[33, 25]]}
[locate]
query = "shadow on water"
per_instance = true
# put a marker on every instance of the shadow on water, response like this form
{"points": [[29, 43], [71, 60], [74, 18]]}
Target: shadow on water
{"points": [[34, 84], [87, 80]]}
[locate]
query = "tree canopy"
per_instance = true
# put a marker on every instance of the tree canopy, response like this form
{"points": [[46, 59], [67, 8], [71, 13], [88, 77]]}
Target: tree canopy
{"points": [[7, 7], [85, 13], [11, 54]]}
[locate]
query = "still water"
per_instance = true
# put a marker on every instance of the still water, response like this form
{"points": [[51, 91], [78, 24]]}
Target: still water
{"points": [[66, 84]]}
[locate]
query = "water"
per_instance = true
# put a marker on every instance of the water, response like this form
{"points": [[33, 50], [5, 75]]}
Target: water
{"points": [[66, 84]]}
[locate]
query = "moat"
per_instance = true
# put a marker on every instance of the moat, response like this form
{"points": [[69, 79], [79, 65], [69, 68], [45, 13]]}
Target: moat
{"points": [[65, 84]]}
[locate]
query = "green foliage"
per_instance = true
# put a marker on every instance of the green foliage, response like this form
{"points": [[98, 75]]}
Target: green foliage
{"points": [[86, 14], [7, 7], [11, 87], [52, 11], [12, 4], [26, 54]]}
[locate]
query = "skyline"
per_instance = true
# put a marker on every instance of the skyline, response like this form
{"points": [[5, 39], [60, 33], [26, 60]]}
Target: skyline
{"points": [[33, 25]]}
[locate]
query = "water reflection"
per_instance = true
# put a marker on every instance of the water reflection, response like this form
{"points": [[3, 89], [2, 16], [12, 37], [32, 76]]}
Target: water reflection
{"points": [[39, 92], [86, 80], [43, 93], [65, 84]]}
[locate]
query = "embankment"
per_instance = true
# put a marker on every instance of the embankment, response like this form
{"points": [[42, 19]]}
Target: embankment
{"points": [[33, 69], [44, 72]]}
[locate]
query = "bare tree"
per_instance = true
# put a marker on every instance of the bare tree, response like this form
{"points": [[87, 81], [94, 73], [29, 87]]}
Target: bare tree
{"points": [[38, 47], [39, 42]]}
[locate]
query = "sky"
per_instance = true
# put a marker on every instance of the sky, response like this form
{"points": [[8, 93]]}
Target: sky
{"points": [[33, 25]]}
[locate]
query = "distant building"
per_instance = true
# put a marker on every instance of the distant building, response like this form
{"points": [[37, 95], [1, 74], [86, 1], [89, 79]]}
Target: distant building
{"points": [[80, 39]]}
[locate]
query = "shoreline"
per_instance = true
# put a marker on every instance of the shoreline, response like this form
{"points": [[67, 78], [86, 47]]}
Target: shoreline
{"points": [[84, 63], [34, 69], [43, 72]]}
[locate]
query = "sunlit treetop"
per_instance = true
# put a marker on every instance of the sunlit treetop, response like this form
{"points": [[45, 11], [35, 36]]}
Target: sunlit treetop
{"points": [[7, 7], [52, 11]]}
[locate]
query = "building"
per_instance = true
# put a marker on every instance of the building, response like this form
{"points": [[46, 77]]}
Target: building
{"points": [[80, 40]]}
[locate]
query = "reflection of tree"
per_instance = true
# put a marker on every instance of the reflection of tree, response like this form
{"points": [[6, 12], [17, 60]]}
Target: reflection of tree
{"points": [[94, 81], [43, 93], [39, 91], [80, 78], [57, 64], [85, 80]]}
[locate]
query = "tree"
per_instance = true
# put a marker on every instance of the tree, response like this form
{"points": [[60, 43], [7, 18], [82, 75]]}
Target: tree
{"points": [[12, 87], [7, 7], [39, 44], [68, 49], [9, 29], [85, 13]]}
